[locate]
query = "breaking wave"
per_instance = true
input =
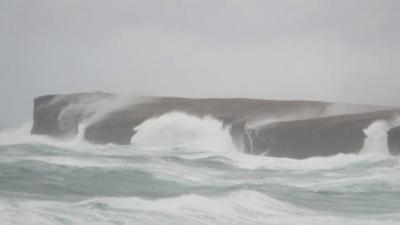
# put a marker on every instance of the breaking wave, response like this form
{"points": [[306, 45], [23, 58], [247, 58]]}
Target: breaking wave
{"points": [[376, 141], [180, 130], [186, 169], [21, 134]]}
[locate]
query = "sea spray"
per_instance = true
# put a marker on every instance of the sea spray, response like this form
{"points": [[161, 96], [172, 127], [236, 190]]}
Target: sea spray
{"points": [[376, 141], [181, 130], [16, 134], [76, 116]]}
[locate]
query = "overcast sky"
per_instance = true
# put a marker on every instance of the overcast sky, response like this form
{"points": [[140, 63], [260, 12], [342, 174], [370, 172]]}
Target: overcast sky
{"points": [[339, 50]]}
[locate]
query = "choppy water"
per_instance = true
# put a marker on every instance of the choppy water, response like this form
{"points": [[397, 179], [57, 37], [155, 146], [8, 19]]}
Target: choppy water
{"points": [[42, 184], [46, 182]]}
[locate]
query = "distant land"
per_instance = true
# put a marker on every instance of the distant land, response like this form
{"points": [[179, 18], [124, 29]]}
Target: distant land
{"points": [[292, 129]]}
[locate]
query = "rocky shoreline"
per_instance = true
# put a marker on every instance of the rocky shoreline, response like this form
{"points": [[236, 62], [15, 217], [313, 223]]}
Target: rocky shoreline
{"points": [[293, 129]]}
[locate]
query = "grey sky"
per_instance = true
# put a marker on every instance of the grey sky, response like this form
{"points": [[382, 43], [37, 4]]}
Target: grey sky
{"points": [[338, 50]]}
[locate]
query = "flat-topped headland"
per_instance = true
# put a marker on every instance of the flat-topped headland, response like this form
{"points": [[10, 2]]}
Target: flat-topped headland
{"points": [[293, 129]]}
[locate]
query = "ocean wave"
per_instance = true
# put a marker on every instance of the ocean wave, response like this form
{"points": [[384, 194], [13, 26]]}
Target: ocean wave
{"points": [[239, 207]]}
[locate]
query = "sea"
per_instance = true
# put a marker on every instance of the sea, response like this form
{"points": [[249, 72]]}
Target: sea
{"points": [[184, 170]]}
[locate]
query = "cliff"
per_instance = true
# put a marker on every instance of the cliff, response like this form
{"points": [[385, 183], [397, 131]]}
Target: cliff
{"points": [[295, 129]]}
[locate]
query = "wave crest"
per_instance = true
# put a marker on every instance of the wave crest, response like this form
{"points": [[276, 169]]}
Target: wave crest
{"points": [[181, 130]]}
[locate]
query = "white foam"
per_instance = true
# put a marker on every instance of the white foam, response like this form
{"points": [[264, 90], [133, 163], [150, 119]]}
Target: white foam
{"points": [[376, 141], [239, 207], [92, 109], [21, 134], [231, 205], [181, 130]]}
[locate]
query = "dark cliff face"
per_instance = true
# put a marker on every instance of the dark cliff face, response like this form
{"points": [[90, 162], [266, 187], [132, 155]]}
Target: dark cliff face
{"points": [[118, 126], [317, 137], [394, 140], [45, 117], [49, 110], [307, 131]]}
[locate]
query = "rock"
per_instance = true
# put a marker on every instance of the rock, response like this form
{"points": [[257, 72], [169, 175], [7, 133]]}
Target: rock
{"points": [[294, 129]]}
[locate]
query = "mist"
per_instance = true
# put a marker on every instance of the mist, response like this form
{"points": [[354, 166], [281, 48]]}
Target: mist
{"points": [[337, 51]]}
